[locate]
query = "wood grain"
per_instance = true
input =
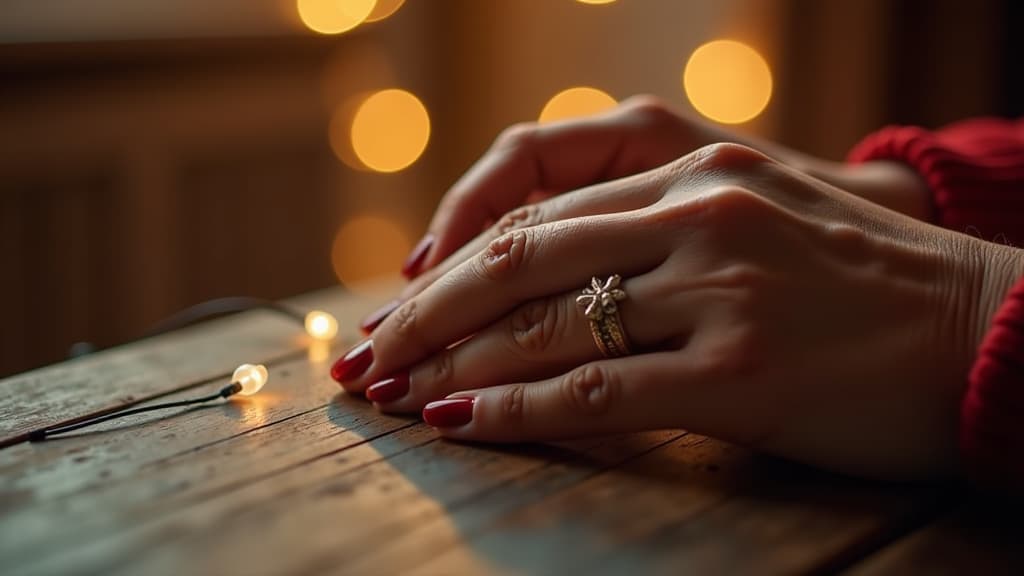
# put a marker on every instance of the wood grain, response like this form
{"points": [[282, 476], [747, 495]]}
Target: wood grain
{"points": [[305, 479], [157, 366]]}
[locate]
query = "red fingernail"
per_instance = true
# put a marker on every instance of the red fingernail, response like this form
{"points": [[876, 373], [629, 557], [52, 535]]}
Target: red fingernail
{"points": [[449, 413], [377, 316], [390, 389], [353, 364], [412, 265]]}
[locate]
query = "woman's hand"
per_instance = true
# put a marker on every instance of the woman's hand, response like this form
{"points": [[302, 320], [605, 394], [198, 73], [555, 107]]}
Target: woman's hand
{"points": [[530, 161], [764, 307]]}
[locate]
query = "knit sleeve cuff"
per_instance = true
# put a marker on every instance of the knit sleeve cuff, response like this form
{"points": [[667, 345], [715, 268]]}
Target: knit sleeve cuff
{"points": [[973, 169], [991, 433]]}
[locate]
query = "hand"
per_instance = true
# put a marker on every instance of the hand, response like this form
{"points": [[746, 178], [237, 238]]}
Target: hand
{"points": [[530, 162], [765, 307]]}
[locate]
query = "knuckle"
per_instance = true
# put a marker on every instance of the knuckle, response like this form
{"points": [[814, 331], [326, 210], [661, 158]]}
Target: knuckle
{"points": [[649, 109], [849, 239], [535, 326], [735, 357], [724, 205], [442, 370], [727, 156], [728, 206], [590, 390], [404, 323], [516, 136], [506, 255], [512, 403], [522, 217]]}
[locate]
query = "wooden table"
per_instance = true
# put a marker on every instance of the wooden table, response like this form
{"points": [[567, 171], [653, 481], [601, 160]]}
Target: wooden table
{"points": [[304, 479]]}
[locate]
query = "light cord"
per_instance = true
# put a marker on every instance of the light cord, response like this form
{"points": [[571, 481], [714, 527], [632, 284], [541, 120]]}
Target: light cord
{"points": [[43, 434]]}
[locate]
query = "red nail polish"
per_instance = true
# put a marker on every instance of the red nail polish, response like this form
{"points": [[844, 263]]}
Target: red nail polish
{"points": [[377, 316], [449, 413], [390, 389], [354, 363], [412, 265]]}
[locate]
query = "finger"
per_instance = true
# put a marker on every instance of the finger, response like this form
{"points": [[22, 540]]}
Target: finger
{"points": [[622, 195], [518, 267], [548, 157], [540, 339], [641, 392]]}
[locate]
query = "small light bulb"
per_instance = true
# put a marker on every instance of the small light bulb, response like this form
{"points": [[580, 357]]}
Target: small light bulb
{"points": [[321, 325], [251, 377]]}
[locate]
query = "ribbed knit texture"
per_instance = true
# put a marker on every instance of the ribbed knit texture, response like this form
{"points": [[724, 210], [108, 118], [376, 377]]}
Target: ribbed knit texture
{"points": [[974, 169], [975, 172]]}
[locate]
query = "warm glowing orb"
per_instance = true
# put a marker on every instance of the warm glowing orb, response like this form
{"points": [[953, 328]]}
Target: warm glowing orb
{"points": [[728, 81], [251, 377], [368, 246], [321, 325], [390, 130], [595, 1], [334, 16], [576, 102]]}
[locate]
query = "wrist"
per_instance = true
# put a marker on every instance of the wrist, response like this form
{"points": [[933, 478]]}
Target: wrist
{"points": [[1001, 268], [891, 184]]}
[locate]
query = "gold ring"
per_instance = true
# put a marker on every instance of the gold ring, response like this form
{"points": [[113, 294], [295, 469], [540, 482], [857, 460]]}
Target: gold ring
{"points": [[599, 303]]}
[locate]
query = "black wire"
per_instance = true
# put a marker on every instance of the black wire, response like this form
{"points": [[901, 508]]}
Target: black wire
{"points": [[45, 433], [219, 307], [192, 315]]}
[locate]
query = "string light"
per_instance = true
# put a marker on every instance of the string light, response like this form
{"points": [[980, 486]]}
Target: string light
{"points": [[249, 378], [321, 325], [246, 380]]}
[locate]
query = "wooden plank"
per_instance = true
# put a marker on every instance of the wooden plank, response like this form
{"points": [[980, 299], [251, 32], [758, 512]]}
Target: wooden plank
{"points": [[380, 486], [157, 366], [982, 536], [305, 479], [696, 506], [56, 491]]}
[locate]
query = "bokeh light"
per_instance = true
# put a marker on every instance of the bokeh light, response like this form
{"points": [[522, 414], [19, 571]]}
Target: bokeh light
{"points": [[595, 1], [334, 16], [728, 81], [368, 246], [576, 102], [340, 131], [390, 130], [383, 9], [321, 325]]}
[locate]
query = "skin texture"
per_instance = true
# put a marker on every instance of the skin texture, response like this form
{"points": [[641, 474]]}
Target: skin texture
{"points": [[766, 306]]}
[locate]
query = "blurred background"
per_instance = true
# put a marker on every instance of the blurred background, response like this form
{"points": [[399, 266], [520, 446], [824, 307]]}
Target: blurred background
{"points": [[155, 154]]}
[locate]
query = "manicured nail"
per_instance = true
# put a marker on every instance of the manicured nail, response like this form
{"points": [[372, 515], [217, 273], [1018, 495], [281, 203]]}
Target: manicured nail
{"points": [[390, 389], [449, 413], [378, 316], [354, 363], [414, 262]]}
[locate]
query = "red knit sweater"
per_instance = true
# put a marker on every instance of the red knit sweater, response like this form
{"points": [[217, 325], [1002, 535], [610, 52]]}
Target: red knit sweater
{"points": [[975, 171]]}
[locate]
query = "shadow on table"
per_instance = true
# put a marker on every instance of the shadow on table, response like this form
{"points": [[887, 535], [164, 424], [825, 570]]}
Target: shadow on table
{"points": [[657, 502]]}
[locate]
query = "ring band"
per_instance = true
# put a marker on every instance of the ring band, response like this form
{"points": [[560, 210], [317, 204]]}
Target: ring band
{"points": [[599, 303]]}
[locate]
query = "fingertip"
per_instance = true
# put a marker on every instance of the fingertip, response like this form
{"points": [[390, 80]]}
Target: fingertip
{"points": [[450, 413]]}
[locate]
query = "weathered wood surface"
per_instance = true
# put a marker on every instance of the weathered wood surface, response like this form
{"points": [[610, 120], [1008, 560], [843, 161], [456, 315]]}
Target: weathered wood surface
{"points": [[304, 479]]}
